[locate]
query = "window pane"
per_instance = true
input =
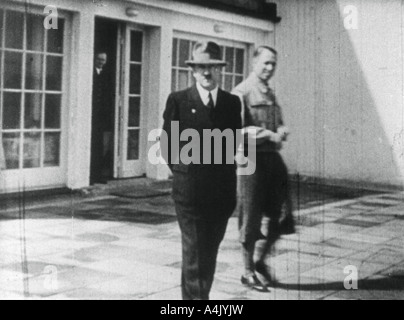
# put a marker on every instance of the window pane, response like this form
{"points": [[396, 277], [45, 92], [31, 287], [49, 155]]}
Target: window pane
{"points": [[175, 52], [230, 59], [33, 76], [32, 150], [52, 149], [193, 81], [133, 145], [228, 83], [135, 78], [134, 112], [11, 110], [33, 113], [55, 38], [52, 111], [184, 52], [1, 69], [222, 50], [12, 70], [11, 146], [174, 81], [220, 83], [238, 80], [136, 46], [35, 33], [240, 61], [1, 28], [14, 29], [183, 80], [54, 73]]}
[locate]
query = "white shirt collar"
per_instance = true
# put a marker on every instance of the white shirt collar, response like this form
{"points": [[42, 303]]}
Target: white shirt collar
{"points": [[204, 94], [99, 70]]}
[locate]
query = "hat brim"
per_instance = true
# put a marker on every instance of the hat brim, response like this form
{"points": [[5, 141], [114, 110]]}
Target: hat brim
{"points": [[208, 63]]}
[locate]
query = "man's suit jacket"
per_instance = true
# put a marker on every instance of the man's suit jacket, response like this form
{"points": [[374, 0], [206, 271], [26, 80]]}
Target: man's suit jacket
{"points": [[103, 100], [202, 184]]}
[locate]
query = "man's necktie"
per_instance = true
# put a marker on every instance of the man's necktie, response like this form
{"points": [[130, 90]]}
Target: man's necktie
{"points": [[211, 106]]}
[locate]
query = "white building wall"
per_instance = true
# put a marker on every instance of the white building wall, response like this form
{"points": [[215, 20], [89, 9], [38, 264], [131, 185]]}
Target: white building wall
{"points": [[342, 90]]}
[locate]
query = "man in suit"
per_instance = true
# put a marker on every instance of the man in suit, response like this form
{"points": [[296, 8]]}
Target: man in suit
{"points": [[102, 119], [204, 194], [263, 193]]}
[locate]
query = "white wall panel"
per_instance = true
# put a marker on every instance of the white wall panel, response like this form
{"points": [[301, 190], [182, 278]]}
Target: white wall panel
{"points": [[343, 89]]}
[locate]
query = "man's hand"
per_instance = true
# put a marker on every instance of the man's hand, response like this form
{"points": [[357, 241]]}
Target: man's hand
{"points": [[283, 132], [275, 137]]}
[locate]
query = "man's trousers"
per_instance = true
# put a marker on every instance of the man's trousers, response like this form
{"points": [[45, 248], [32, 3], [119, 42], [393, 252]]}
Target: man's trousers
{"points": [[202, 230], [262, 194]]}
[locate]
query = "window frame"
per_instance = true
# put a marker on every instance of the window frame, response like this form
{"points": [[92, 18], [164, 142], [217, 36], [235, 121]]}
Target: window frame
{"points": [[43, 91], [223, 43]]}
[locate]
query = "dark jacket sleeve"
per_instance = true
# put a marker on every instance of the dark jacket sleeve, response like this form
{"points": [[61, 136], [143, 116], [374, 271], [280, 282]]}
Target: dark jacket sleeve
{"points": [[238, 119], [170, 115], [237, 122]]}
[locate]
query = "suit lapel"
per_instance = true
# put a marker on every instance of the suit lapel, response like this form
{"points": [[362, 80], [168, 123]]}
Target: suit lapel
{"points": [[220, 99], [221, 105], [195, 102]]}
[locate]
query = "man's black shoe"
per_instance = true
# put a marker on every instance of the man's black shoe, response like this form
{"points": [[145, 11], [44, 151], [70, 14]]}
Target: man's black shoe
{"points": [[263, 272], [288, 225], [253, 283]]}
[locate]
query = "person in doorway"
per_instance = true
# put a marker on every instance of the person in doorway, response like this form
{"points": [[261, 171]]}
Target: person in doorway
{"points": [[102, 121], [205, 194], [264, 193]]}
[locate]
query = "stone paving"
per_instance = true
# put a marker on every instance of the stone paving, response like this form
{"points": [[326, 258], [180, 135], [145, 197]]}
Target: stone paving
{"points": [[111, 247]]}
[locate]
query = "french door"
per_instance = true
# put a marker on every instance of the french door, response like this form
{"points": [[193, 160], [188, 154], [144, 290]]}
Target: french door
{"points": [[131, 137]]}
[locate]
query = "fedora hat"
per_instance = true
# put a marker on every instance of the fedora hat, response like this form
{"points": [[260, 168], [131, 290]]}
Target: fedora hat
{"points": [[206, 53]]}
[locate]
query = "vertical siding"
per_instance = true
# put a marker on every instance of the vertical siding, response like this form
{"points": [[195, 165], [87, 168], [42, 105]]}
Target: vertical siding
{"points": [[342, 90], [381, 64], [399, 138], [295, 81]]}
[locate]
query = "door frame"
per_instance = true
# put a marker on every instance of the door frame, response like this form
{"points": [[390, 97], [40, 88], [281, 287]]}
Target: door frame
{"points": [[124, 168]]}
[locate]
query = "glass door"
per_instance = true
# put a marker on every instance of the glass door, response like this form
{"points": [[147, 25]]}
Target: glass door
{"points": [[131, 126]]}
